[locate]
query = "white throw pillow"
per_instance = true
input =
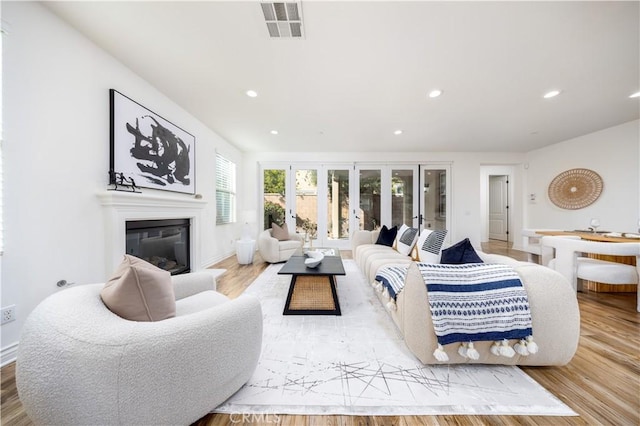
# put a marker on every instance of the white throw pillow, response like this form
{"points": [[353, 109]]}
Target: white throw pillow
{"points": [[401, 230], [406, 240], [430, 245]]}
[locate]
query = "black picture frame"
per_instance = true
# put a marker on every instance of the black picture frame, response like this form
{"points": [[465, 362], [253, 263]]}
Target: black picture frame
{"points": [[148, 150]]}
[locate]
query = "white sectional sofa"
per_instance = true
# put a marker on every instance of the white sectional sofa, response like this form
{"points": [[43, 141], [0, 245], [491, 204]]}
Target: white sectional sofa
{"points": [[553, 305]]}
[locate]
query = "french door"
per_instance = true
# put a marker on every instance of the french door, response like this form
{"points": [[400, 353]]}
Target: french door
{"points": [[386, 195], [321, 205], [314, 200], [327, 202], [435, 198]]}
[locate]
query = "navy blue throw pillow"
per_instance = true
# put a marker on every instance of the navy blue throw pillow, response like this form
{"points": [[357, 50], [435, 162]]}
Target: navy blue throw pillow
{"points": [[387, 236], [459, 253]]}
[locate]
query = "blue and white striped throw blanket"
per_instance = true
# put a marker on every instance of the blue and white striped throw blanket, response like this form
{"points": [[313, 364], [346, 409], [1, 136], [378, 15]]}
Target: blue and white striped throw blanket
{"points": [[478, 302], [390, 280]]}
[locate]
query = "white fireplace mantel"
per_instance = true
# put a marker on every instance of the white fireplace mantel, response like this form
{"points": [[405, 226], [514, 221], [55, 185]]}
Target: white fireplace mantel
{"points": [[121, 207]]}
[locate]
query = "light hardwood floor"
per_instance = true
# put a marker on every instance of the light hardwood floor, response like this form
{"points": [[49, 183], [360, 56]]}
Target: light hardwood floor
{"points": [[601, 383]]}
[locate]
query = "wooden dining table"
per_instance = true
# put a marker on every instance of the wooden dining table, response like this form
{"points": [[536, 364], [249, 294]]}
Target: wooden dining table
{"points": [[602, 237], [592, 236]]}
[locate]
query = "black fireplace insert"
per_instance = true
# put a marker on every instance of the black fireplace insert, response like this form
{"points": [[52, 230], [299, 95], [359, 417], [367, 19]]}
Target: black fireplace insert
{"points": [[163, 243]]}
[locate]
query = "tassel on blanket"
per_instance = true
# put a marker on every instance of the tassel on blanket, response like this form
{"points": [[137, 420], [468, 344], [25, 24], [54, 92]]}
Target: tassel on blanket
{"points": [[440, 354], [506, 350], [467, 350], [472, 353], [391, 305], [526, 346], [502, 348], [385, 293], [462, 350], [375, 284], [521, 348], [495, 348]]}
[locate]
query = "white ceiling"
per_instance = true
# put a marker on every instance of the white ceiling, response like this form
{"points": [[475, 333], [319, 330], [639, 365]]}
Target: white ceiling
{"points": [[364, 69]]}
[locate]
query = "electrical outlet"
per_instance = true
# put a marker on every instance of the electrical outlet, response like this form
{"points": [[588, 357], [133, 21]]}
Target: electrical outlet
{"points": [[8, 314]]}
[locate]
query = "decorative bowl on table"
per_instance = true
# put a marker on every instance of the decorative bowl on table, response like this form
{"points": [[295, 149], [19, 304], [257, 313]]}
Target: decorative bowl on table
{"points": [[314, 259]]}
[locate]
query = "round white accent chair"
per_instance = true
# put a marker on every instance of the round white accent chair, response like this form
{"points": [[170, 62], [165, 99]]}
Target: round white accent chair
{"points": [[79, 364], [273, 250]]}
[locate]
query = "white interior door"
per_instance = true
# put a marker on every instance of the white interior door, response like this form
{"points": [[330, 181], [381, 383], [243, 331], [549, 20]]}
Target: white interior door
{"points": [[498, 208]]}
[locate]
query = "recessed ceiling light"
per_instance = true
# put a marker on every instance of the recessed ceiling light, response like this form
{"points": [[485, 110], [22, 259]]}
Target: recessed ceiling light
{"points": [[274, 132], [551, 94], [435, 93], [397, 132], [635, 95], [252, 93]]}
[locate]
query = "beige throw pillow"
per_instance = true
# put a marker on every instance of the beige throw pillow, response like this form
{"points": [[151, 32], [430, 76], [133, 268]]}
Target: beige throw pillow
{"points": [[139, 291], [280, 233]]}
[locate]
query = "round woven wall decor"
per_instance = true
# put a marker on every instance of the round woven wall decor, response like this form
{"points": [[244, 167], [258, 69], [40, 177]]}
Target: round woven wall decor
{"points": [[575, 189]]}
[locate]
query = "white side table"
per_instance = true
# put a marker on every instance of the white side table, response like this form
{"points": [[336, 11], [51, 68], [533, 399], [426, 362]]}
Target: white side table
{"points": [[245, 250]]}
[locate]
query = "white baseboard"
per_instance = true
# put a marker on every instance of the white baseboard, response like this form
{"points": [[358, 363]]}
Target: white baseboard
{"points": [[8, 354], [208, 263], [517, 247]]}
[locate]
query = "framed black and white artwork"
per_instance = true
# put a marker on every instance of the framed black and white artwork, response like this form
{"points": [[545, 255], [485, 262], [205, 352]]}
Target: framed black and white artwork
{"points": [[147, 150]]}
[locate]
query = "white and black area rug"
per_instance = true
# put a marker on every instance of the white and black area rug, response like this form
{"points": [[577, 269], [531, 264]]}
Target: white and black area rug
{"points": [[358, 364]]}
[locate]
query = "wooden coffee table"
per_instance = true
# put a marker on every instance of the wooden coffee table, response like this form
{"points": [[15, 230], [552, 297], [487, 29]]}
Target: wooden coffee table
{"points": [[313, 290]]}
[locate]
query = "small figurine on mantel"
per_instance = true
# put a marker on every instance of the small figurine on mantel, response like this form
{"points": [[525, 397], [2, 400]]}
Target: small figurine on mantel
{"points": [[118, 180]]}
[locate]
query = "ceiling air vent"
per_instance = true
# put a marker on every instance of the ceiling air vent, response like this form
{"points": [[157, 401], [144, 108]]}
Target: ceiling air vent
{"points": [[284, 19]]}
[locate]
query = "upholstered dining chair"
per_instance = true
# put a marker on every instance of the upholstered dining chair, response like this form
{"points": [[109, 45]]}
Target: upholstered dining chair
{"points": [[571, 262], [79, 363], [531, 243]]}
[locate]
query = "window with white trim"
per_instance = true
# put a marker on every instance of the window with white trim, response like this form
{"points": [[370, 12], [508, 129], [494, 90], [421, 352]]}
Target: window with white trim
{"points": [[225, 190]]}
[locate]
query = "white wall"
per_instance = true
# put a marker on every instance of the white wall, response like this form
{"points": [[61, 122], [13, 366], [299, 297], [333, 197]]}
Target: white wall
{"points": [[467, 218], [613, 153], [56, 157]]}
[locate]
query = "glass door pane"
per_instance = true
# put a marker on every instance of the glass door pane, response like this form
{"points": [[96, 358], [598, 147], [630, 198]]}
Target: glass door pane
{"points": [[369, 194], [435, 198], [306, 203], [403, 203], [274, 196], [337, 204]]}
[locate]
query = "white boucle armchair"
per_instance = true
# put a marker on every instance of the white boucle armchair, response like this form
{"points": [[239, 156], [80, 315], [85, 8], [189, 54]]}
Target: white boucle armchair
{"points": [[79, 363], [273, 251]]}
